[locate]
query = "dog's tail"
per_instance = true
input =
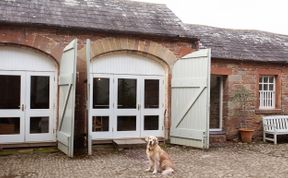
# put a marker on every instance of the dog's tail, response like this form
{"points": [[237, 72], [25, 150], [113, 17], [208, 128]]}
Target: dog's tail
{"points": [[167, 172]]}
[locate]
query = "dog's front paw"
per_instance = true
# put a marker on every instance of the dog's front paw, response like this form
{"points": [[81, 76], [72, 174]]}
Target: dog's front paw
{"points": [[148, 169], [155, 172]]}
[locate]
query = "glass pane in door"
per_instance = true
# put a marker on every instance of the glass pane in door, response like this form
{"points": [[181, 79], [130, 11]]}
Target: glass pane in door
{"points": [[151, 94], [9, 125], [39, 96], [10, 86], [127, 94], [100, 123], [151, 122], [100, 93], [126, 123], [39, 124]]}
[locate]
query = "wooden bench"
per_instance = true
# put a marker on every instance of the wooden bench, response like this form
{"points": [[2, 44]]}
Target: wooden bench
{"points": [[274, 125]]}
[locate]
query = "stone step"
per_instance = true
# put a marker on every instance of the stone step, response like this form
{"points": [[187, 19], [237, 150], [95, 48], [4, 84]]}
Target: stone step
{"points": [[129, 143], [217, 138]]}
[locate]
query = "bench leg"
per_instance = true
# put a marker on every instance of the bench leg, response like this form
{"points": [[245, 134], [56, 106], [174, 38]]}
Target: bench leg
{"points": [[264, 137], [275, 139]]}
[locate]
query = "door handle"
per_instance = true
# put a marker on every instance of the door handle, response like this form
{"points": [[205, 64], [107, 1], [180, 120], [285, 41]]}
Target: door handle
{"points": [[22, 107]]}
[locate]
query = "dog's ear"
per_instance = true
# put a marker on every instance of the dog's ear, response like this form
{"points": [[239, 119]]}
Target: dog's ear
{"points": [[146, 139], [156, 140]]}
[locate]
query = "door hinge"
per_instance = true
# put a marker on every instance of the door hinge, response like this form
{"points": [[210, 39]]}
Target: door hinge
{"points": [[138, 107]]}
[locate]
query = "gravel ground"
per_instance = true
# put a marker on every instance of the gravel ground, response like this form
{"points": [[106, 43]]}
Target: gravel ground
{"points": [[230, 160]]}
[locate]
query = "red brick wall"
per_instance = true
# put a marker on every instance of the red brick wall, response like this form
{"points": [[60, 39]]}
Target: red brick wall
{"points": [[247, 74]]}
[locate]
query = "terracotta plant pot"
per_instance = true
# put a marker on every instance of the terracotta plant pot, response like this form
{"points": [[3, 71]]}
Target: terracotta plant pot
{"points": [[246, 135]]}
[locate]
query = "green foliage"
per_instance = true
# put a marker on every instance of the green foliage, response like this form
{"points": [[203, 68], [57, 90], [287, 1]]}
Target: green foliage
{"points": [[241, 98]]}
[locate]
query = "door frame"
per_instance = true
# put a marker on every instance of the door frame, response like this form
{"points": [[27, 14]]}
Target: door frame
{"points": [[101, 112], [13, 138], [157, 111], [112, 112], [51, 112], [220, 107], [25, 136]]}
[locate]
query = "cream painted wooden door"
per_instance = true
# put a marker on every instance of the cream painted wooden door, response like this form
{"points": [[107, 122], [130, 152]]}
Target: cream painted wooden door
{"points": [[67, 91], [190, 100]]}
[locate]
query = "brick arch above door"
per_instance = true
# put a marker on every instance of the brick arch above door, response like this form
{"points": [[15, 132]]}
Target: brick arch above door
{"points": [[144, 47], [36, 41]]}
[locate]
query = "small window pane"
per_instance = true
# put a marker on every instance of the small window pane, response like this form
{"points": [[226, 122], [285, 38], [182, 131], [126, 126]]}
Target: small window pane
{"points": [[9, 125], [39, 94], [151, 94], [126, 123], [101, 93], [271, 79], [265, 79], [39, 125], [151, 122], [260, 86], [265, 87], [10, 87], [100, 123], [127, 93], [271, 87]]}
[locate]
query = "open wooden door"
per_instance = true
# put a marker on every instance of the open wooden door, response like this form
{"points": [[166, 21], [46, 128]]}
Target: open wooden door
{"points": [[67, 91], [88, 46], [190, 100]]}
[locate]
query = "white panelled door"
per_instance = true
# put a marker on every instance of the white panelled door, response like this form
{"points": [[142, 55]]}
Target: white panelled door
{"points": [[190, 100], [67, 91], [126, 97]]}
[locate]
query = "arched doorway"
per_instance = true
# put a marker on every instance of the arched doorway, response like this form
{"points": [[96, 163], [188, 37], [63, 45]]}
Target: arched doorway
{"points": [[27, 96], [126, 97]]}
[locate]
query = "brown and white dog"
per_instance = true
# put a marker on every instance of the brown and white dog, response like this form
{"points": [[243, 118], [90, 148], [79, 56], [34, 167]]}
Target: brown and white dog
{"points": [[159, 160]]}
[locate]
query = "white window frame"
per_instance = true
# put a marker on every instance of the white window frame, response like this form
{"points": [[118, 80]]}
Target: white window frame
{"points": [[267, 96]]}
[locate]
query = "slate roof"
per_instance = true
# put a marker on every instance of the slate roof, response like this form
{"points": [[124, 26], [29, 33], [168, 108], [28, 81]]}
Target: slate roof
{"points": [[252, 45], [118, 16]]}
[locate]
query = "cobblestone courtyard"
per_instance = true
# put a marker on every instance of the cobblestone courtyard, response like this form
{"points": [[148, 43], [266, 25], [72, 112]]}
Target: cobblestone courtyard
{"points": [[231, 160]]}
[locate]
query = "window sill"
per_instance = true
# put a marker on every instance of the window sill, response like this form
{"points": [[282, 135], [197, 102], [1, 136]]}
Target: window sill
{"points": [[268, 111]]}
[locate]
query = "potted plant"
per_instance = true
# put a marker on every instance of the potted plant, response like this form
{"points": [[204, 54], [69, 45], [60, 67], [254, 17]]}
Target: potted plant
{"points": [[241, 98]]}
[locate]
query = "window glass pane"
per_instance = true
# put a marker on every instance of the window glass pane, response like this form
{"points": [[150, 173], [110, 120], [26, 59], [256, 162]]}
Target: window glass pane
{"points": [[265, 79], [260, 86], [151, 94], [101, 93], [127, 93], [10, 87], [100, 123], [9, 125], [126, 123], [39, 125], [271, 87], [151, 122], [39, 93], [271, 79], [265, 87]]}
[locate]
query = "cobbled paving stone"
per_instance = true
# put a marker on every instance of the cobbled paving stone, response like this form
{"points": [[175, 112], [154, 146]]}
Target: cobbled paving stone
{"points": [[229, 160]]}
